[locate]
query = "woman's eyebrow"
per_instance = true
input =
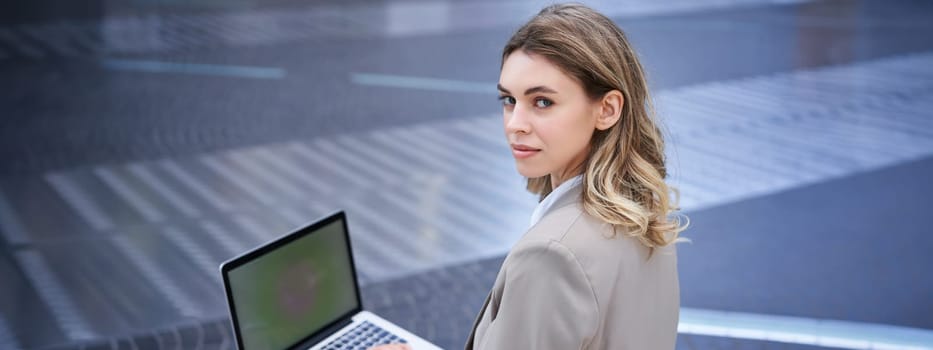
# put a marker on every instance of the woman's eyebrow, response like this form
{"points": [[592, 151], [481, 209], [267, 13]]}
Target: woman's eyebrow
{"points": [[536, 89], [540, 89]]}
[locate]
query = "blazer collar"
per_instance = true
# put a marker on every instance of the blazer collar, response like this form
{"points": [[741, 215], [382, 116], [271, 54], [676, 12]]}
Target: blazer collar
{"points": [[567, 198]]}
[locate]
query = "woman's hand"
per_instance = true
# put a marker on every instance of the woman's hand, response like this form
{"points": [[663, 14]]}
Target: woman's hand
{"points": [[396, 346]]}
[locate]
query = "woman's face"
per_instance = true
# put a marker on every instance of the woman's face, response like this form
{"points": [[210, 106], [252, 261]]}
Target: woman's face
{"points": [[549, 120]]}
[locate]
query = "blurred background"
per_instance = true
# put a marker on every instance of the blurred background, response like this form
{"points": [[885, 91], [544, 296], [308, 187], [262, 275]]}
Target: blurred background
{"points": [[143, 142]]}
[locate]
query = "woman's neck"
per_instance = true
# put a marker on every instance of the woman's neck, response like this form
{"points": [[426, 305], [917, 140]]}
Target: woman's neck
{"points": [[556, 180]]}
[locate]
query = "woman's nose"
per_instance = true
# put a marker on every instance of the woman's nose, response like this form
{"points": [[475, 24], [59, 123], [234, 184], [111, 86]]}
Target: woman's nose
{"points": [[516, 121]]}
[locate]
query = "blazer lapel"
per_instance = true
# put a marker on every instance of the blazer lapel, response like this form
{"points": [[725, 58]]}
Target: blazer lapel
{"points": [[479, 316], [568, 198]]}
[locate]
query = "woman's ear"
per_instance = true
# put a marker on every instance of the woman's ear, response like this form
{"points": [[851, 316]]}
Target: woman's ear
{"points": [[610, 109]]}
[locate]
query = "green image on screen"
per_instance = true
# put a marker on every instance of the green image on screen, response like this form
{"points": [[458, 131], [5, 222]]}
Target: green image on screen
{"points": [[285, 295]]}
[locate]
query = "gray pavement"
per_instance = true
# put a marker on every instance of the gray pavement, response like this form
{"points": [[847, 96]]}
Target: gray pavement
{"points": [[142, 145]]}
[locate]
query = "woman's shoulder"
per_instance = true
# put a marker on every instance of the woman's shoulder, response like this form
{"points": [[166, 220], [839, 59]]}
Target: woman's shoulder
{"points": [[555, 224], [571, 223], [589, 239]]}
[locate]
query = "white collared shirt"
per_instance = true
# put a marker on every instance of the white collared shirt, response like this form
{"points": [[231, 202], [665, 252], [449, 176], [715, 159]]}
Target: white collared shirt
{"points": [[552, 197]]}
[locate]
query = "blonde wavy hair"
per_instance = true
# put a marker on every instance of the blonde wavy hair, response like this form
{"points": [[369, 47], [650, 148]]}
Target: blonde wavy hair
{"points": [[624, 172]]}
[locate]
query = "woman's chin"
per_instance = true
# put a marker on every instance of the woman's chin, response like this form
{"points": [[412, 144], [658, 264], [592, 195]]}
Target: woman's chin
{"points": [[528, 171]]}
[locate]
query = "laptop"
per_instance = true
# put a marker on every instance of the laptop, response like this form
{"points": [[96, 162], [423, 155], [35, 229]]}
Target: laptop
{"points": [[300, 291]]}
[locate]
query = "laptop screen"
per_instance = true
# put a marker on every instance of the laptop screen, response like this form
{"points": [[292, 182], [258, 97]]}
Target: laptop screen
{"points": [[292, 288]]}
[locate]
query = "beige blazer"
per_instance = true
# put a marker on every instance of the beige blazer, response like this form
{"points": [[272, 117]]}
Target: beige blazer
{"points": [[564, 285]]}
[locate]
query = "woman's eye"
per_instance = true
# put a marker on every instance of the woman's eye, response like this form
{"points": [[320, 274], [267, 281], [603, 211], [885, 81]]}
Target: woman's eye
{"points": [[507, 100], [543, 103]]}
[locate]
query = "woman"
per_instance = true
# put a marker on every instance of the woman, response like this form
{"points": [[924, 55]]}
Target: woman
{"points": [[597, 269]]}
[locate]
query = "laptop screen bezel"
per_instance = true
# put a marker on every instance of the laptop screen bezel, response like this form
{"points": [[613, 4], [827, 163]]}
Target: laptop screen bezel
{"points": [[252, 255]]}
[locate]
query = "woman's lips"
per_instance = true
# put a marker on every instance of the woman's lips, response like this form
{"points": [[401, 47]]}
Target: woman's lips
{"points": [[523, 151]]}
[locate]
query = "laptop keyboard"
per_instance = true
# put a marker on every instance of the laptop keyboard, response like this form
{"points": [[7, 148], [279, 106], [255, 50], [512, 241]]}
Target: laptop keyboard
{"points": [[363, 336]]}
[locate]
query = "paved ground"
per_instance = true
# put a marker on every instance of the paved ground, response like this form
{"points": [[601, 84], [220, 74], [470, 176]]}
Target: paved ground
{"points": [[52, 97], [144, 143]]}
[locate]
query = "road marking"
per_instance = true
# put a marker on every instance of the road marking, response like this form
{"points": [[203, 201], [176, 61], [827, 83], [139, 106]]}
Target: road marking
{"points": [[225, 238], [196, 185], [806, 331], [329, 161], [175, 294], [194, 68], [7, 339], [252, 164], [129, 194], [257, 232], [289, 167], [238, 179], [10, 225], [202, 258], [353, 160], [421, 83], [75, 196], [156, 183], [55, 295], [393, 142], [24, 48]]}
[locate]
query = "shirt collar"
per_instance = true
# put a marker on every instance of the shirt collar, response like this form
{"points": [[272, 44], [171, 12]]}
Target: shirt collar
{"points": [[552, 198]]}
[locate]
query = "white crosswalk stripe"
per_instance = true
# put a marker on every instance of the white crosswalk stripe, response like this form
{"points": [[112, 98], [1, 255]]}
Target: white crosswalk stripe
{"points": [[175, 294], [378, 255], [239, 179], [331, 162], [289, 167], [49, 287], [195, 185], [189, 247], [177, 200], [129, 194], [232, 244], [258, 232], [355, 161], [7, 339], [10, 225], [79, 200], [398, 145], [14, 40], [284, 185], [52, 37], [379, 156]]}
